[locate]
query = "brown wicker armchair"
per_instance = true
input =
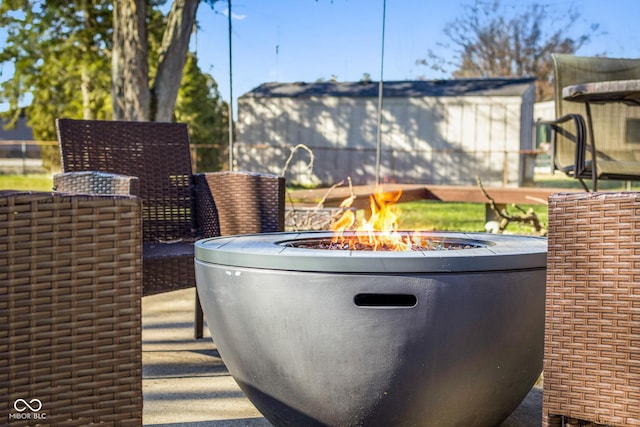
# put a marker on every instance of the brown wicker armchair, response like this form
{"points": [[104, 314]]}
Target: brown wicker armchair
{"points": [[71, 340], [179, 207], [592, 322]]}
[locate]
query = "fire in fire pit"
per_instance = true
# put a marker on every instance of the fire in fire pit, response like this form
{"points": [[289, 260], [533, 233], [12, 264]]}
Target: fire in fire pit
{"points": [[378, 232]]}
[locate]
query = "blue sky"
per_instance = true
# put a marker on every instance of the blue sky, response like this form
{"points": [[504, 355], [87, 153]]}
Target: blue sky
{"points": [[307, 40]]}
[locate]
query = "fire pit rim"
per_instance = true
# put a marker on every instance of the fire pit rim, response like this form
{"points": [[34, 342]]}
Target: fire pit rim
{"points": [[493, 252]]}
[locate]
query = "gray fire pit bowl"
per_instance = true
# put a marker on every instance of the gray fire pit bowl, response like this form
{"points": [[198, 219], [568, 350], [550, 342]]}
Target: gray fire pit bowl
{"points": [[350, 338]]}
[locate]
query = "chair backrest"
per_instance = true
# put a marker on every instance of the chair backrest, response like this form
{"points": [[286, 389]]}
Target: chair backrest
{"points": [[247, 202], [157, 153], [614, 124]]}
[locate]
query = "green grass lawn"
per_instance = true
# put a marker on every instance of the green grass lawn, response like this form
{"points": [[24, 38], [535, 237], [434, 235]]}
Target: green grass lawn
{"points": [[39, 182], [434, 215], [419, 215], [561, 181]]}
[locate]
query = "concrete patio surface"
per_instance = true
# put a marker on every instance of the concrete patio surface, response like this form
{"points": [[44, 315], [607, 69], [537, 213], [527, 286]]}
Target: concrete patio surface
{"points": [[185, 382]]}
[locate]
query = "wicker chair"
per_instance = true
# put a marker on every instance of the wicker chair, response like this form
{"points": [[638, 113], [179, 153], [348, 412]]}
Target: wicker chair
{"points": [[179, 207], [592, 326], [70, 309], [614, 127]]}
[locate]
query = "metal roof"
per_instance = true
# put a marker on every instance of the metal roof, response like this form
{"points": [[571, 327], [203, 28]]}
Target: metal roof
{"points": [[406, 88]]}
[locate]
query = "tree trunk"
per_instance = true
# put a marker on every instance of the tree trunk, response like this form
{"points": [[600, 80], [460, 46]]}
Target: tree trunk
{"points": [[173, 54], [86, 89], [130, 92]]}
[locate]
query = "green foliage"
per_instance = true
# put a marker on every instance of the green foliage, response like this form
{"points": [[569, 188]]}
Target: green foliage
{"points": [[59, 55], [199, 104]]}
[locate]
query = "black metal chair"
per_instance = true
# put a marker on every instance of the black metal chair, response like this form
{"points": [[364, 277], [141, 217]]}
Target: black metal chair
{"points": [[594, 140]]}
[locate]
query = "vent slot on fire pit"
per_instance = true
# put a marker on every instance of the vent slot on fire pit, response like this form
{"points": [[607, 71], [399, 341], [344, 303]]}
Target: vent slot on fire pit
{"points": [[385, 300]]}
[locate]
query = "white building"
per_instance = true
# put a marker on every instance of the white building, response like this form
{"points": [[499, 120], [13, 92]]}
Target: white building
{"points": [[432, 132]]}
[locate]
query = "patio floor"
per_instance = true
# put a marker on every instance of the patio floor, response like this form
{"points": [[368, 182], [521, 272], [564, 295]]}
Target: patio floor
{"points": [[185, 382]]}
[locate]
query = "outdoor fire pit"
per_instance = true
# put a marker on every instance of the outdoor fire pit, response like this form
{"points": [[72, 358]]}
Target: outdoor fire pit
{"points": [[447, 333]]}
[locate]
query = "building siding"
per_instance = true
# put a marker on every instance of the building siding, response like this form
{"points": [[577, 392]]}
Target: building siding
{"points": [[425, 139]]}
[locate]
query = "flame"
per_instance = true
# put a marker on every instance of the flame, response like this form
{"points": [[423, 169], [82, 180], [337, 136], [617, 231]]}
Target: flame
{"points": [[379, 231]]}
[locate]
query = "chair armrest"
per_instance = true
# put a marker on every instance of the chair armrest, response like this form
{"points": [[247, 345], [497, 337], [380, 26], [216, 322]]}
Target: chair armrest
{"points": [[207, 222], [579, 139], [245, 202], [92, 182]]}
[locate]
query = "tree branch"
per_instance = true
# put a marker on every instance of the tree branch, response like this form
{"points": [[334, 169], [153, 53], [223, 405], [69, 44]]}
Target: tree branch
{"points": [[526, 217]]}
